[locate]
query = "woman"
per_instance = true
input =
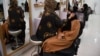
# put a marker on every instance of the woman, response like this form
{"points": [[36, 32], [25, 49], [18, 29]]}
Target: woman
{"points": [[16, 20], [50, 22], [26, 6], [85, 11], [60, 44]]}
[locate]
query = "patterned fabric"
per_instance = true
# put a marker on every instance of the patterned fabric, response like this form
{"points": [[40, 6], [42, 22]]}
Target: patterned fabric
{"points": [[16, 18], [54, 44], [50, 22], [16, 21], [48, 26]]}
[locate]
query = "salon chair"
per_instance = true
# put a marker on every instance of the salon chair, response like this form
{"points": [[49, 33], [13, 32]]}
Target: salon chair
{"points": [[15, 34], [37, 45], [72, 50]]}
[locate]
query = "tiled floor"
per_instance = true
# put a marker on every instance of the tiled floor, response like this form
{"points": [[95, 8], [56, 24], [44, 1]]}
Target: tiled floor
{"points": [[90, 38], [29, 52]]}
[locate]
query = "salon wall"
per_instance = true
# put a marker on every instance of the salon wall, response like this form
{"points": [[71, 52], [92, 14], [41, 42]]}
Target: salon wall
{"points": [[1, 1]]}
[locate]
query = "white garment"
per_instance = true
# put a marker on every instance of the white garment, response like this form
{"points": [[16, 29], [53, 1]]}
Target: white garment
{"points": [[80, 16], [63, 15]]}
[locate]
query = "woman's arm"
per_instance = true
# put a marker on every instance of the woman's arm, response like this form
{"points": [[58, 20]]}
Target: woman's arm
{"points": [[71, 35]]}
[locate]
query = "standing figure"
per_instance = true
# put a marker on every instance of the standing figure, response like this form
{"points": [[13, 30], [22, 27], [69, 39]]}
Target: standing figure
{"points": [[85, 11], [26, 6]]}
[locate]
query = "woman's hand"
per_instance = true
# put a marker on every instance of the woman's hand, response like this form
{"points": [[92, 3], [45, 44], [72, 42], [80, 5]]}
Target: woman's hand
{"points": [[72, 15]]}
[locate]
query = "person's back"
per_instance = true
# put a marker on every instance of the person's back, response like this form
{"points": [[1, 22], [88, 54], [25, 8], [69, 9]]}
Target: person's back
{"points": [[50, 22], [26, 6], [85, 11], [15, 18], [48, 26], [16, 21]]}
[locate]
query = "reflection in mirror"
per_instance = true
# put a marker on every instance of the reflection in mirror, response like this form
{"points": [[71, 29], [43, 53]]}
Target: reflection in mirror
{"points": [[16, 25]]}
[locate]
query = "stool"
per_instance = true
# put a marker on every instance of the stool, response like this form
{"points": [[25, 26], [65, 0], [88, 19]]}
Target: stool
{"points": [[36, 44], [15, 34]]}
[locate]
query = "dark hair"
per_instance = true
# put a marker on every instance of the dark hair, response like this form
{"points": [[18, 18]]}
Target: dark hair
{"points": [[58, 6], [75, 8], [85, 6], [67, 26]]}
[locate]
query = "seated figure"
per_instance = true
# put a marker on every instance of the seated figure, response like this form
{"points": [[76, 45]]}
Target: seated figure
{"points": [[62, 44]]}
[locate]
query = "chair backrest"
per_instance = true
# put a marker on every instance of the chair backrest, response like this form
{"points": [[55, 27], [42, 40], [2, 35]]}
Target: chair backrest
{"points": [[35, 40]]}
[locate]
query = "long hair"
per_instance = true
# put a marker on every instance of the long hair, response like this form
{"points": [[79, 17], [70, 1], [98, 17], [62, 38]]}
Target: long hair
{"points": [[67, 26]]}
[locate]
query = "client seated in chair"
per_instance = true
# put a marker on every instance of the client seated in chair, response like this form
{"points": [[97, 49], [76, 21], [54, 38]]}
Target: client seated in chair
{"points": [[50, 22], [63, 43], [16, 21]]}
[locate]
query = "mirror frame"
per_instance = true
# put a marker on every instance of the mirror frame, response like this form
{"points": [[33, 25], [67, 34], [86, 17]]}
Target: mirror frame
{"points": [[22, 47], [2, 41]]}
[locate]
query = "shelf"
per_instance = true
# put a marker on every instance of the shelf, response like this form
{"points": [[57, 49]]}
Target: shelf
{"points": [[38, 5]]}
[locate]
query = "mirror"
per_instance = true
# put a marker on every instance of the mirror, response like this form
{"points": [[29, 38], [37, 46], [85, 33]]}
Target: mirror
{"points": [[17, 32]]}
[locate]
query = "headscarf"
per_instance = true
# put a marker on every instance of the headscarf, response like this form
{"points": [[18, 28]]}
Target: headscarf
{"points": [[13, 3], [50, 5]]}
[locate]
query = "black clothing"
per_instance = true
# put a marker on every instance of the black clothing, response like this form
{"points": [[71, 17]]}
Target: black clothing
{"points": [[26, 7], [56, 54], [16, 21], [58, 6], [85, 11], [67, 26], [48, 26], [86, 15], [16, 18]]}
